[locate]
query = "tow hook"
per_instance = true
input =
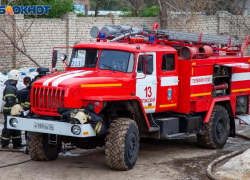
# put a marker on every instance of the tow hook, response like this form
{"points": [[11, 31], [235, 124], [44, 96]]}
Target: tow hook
{"points": [[52, 139]]}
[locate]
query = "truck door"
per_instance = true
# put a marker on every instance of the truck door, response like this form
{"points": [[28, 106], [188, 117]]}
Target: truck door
{"points": [[168, 84], [146, 85]]}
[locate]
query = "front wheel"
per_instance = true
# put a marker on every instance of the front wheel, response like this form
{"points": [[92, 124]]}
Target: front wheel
{"points": [[122, 145], [217, 130], [39, 148]]}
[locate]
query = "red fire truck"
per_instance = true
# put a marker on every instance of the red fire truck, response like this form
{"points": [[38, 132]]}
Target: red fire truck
{"points": [[143, 83]]}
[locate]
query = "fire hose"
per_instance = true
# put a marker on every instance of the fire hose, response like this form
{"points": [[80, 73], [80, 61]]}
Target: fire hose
{"points": [[208, 171], [15, 163], [220, 159], [20, 151], [216, 161]]}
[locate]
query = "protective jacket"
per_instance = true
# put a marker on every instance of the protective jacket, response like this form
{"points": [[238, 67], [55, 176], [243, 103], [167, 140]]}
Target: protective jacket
{"points": [[9, 96], [26, 105], [22, 97]]}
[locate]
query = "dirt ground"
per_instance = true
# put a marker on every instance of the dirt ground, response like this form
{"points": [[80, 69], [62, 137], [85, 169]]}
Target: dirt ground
{"points": [[161, 159]]}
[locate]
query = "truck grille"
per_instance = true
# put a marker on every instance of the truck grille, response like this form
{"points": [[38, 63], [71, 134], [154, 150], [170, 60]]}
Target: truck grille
{"points": [[47, 99]]}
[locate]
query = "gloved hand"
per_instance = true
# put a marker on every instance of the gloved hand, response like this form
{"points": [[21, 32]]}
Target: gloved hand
{"points": [[66, 116]]}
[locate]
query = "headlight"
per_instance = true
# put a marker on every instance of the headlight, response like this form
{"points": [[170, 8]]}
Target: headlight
{"points": [[13, 122], [76, 130]]}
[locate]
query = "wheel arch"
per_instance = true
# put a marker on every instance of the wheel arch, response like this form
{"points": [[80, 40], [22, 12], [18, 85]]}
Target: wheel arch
{"points": [[227, 104], [135, 110], [216, 130]]}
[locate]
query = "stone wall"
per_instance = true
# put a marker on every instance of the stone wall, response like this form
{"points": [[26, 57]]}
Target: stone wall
{"points": [[44, 34]]}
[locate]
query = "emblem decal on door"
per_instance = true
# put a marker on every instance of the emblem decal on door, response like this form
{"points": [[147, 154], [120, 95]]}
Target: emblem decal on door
{"points": [[169, 93]]}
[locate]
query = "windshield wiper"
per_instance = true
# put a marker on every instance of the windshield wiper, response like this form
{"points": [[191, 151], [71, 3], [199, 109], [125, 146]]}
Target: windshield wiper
{"points": [[108, 67]]}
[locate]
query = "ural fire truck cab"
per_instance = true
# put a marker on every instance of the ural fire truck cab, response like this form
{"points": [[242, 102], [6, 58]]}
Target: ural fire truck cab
{"points": [[163, 84]]}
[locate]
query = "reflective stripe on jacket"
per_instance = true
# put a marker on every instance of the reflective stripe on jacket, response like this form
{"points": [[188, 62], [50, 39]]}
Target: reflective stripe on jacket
{"points": [[9, 96]]}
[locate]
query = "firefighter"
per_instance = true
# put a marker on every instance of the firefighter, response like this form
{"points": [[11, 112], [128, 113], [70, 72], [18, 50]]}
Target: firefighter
{"points": [[41, 72], [24, 93], [9, 96]]}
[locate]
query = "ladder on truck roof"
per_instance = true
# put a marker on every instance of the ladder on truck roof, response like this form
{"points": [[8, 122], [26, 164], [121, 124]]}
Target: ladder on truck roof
{"points": [[193, 37], [117, 31], [177, 39]]}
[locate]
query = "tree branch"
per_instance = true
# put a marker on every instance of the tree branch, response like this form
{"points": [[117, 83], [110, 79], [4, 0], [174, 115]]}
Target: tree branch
{"points": [[18, 48], [176, 8], [159, 2]]}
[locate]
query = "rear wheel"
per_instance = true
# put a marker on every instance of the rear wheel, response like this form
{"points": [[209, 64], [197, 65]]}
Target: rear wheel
{"points": [[40, 149], [217, 130], [122, 145]]}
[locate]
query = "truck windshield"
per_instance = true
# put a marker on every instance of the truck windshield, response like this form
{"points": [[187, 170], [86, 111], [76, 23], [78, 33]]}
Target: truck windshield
{"points": [[84, 58], [117, 60]]}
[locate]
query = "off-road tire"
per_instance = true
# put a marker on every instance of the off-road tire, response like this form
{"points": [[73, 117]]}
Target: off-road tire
{"points": [[39, 149], [219, 119], [122, 144]]}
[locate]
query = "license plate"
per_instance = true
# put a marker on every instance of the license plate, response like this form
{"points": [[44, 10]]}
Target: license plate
{"points": [[44, 126]]}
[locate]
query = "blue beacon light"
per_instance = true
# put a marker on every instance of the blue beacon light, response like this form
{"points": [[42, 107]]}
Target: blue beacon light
{"points": [[102, 36], [151, 38]]}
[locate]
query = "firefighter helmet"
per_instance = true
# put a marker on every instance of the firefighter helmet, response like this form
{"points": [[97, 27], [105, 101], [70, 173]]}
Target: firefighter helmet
{"points": [[13, 74], [16, 110]]}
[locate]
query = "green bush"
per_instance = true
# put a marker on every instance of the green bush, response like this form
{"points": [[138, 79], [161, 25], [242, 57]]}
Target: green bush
{"points": [[125, 14], [80, 15], [150, 12], [153, 11]]}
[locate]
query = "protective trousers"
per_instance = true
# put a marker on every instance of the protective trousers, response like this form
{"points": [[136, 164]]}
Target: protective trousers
{"points": [[8, 134]]}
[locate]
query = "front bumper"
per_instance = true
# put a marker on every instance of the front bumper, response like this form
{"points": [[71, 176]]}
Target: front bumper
{"points": [[50, 127]]}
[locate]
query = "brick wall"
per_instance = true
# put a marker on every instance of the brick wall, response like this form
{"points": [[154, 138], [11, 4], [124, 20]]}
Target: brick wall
{"points": [[7, 53], [222, 23], [45, 34]]}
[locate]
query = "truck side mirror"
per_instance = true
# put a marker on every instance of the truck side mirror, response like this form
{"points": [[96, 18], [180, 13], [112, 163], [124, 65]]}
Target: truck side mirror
{"points": [[63, 57], [54, 60]]}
